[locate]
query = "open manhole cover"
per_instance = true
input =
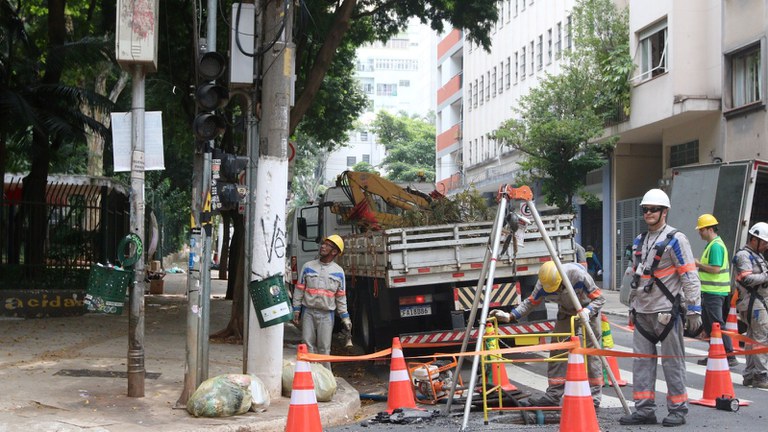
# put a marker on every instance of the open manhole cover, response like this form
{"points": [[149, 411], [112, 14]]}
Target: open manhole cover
{"points": [[102, 373]]}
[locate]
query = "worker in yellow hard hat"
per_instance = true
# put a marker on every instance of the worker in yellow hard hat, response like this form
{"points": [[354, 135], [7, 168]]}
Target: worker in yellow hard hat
{"points": [[550, 287], [715, 276], [319, 295]]}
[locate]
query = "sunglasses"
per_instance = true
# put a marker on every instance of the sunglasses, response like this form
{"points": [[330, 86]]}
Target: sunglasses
{"points": [[651, 209]]}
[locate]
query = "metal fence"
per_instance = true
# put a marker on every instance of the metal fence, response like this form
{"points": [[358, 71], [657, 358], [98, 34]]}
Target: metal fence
{"points": [[85, 220]]}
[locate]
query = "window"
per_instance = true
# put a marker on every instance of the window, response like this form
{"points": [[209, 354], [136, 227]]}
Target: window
{"points": [[506, 71], [746, 78], [501, 77], [366, 85], [351, 161], [568, 33], [533, 60], [404, 83], [488, 85], [522, 4], [367, 158], [469, 93], [517, 68], [482, 90], [509, 9], [549, 46], [684, 154], [653, 51], [386, 89], [474, 95], [517, 4], [493, 82], [501, 14], [364, 136], [539, 54], [559, 43], [522, 64]]}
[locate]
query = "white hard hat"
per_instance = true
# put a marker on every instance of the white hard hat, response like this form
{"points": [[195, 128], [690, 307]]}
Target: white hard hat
{"points": [[760, 230], [655, 197]]}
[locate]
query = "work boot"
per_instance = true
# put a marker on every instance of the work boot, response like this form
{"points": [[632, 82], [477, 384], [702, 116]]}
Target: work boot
{"points": [[747, 382], [760, 382], [544, 401], [673, 419], [702, 362], [732, 362], [638, 419]]}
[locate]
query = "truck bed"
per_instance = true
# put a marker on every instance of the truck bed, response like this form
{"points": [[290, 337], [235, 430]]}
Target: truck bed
{"points": [[434, 254]]}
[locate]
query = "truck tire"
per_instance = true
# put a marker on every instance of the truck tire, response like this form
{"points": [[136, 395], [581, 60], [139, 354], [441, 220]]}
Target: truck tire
{"points": [[363, 330]]}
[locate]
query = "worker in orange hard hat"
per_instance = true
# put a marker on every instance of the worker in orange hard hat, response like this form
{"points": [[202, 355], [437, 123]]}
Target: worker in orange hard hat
{"points": [[319, 296], [550, 287]]}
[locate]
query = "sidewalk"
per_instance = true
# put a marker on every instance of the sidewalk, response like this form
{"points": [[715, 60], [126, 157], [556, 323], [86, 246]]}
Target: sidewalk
{"points": [[55, 373]]}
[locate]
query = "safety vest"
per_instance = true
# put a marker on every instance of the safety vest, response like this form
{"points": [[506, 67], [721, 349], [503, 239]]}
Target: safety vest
{"points": [[720, 282]]}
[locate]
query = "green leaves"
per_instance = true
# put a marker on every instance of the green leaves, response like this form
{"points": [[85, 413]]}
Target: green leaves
{"points": [[410, 145]]}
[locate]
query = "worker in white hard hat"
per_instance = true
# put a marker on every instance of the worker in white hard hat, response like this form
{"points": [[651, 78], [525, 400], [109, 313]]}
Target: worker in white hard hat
{"points": [[664, 299], [319, 295], [751, 278], [550, 287]]}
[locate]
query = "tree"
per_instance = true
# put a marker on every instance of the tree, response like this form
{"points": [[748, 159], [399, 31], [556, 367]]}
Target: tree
{"points": [[410, 145], [561, 120]]}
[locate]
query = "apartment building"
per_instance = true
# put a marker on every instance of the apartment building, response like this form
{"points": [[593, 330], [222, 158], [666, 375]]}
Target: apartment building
{"points": [[397, 75]]}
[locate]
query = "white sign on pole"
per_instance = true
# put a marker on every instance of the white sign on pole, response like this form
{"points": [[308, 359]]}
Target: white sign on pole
{"points": [[153, 141]]}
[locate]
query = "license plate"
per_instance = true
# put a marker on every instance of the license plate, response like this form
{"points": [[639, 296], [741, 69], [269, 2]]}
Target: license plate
{"points": [[412, 311]]}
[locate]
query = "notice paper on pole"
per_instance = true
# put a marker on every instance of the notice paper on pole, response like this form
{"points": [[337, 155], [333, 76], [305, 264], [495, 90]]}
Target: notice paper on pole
{"points": [[153, 141]]}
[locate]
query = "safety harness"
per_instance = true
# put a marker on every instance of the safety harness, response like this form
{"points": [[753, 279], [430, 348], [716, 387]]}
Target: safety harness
{"points": [[753, 294], [675, 300]]}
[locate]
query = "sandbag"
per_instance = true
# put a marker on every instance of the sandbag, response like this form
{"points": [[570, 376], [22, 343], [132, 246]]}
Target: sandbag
{"points": [[323, 379], [259, 395], [221, 396]]}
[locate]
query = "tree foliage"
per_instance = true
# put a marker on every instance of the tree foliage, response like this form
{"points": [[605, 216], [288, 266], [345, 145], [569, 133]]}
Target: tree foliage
{"points": [[562, 119], [410, 145]]}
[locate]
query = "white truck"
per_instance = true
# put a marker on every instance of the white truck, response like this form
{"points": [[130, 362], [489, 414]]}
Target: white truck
{"points": [[418, 283]]}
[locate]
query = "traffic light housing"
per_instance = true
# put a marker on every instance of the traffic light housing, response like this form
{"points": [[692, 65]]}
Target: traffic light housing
{"points": [[210, 97], [228, 190]]}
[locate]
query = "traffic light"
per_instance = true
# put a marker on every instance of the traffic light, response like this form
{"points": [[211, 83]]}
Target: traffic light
{"points": [[210, 97], [228, 190]]}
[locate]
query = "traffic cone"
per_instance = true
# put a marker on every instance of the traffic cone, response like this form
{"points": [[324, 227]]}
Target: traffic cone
{"points": [[717, 382], [498, 373], [303, 413], [605, 325], [578, 413], [732, 322], [400, 390]]}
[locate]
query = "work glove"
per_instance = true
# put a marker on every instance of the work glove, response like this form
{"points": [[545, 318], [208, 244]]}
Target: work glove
{"points": [[502, 316], [599, 272], [693, 323], [297, 318], [347, 324]]}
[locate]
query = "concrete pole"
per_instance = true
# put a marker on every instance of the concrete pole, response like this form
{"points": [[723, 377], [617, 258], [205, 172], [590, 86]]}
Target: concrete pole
{"points": [[136, 371], [265, 346]]}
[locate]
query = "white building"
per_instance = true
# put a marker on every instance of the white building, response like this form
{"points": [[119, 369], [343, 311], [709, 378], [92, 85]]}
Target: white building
{"points": [[398, 75]]}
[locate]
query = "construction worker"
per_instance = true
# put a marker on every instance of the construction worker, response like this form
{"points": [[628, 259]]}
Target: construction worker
{"points": [[320, 294], [715, 276], [665, 289], [550, 287], [594, 267], [751, 274], [581, 255]]}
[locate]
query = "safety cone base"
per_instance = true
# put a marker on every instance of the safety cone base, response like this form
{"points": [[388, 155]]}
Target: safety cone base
{"points": [[711, 402]]}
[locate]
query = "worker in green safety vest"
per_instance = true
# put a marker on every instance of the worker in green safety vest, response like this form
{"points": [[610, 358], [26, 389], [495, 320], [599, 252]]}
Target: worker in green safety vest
{"points": [[715, 276]]}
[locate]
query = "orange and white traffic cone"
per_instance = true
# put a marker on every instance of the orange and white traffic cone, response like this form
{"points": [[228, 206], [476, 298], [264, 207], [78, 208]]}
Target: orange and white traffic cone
{"points": [[717, 382], [732, 321], [400, 390], [605, 326], [578, 413], [303, 413], [498, 371]]}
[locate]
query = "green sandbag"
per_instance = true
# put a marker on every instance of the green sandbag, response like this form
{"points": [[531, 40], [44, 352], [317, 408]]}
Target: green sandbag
{"points": [[221, 396]]}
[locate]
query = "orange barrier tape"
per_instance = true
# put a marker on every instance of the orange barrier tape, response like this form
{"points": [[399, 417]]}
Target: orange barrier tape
{"points": [[311, 357]]}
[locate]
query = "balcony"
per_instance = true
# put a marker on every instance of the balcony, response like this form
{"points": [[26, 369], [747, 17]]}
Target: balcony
{"points": [[450, 43], [451, 88], [449, 137]]}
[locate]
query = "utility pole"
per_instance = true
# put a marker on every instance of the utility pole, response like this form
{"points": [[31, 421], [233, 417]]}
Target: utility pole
{"points": [[136, 371], [265, 345]]}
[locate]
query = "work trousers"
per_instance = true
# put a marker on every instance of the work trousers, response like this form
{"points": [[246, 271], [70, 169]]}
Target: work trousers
{"points": [[317, 331], [556, 369], [758, 331], [712, 312], [644, 369]]}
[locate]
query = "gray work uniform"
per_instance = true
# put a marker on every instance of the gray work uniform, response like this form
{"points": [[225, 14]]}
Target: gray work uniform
{"points": [[751, 275], [591, 298], [677, 271], [320, 294]]}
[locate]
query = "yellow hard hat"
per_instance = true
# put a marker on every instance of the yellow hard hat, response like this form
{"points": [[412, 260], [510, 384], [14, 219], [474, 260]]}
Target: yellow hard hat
{"points": [[549, 277], [336, 240], [706, 220]]}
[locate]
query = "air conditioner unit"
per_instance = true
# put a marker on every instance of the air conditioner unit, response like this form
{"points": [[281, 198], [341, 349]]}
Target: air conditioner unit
{"points": [[136, 38]]}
